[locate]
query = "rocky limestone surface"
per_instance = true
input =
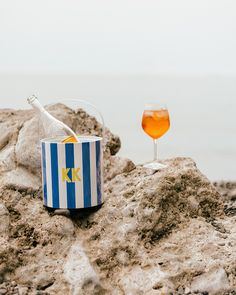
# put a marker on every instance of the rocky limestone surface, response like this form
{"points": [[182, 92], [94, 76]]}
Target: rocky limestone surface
{"points": [[158, 232]]}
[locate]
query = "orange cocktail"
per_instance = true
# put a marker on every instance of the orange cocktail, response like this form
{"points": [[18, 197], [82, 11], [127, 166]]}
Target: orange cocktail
{"points": [[156, 122]]}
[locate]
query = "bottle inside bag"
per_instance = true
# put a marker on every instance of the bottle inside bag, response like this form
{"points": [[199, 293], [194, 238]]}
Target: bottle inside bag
{"points": [[52, 126]]}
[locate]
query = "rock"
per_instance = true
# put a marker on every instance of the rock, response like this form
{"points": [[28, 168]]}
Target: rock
{"points": [[79, 272], [43, 282], [7, 158], [162, 200], [116, 166], [64, 212], [227, 190], [5, 135], [28, 146], [158, 232], [59, 226], [232, 194], [20, 179], [23, 291], [214, 281], [13, 283], [4, 220], [142, 281]]}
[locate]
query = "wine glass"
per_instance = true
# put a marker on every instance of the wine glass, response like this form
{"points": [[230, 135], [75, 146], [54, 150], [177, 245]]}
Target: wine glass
{"points": [[155, 122]]}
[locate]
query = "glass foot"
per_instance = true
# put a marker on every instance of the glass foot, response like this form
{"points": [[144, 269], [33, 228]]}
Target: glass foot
{"points": [[155, 166]]}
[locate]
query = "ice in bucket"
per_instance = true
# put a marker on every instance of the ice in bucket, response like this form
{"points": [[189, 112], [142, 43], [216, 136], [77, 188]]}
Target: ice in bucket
{"points": [[72, 173]]}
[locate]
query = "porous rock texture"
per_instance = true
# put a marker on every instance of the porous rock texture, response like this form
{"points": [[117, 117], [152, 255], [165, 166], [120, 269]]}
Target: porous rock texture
{"points": [[158, 232]]}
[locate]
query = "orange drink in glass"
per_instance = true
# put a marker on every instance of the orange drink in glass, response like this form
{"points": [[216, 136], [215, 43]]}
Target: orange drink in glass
{"points": [[155, 122]]}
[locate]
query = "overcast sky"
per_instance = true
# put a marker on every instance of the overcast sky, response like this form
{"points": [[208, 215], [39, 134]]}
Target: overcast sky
{"points": [[118, 37]]}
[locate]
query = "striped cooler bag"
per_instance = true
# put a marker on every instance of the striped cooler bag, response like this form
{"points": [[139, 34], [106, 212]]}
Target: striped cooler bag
{"points": [[72, 173]]}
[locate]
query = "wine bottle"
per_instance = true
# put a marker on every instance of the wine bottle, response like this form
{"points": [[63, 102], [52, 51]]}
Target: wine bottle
{"points": [[52, 126]]}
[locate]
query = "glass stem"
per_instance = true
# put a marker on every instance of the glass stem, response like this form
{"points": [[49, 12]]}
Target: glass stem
{"points": [[155, 149]]}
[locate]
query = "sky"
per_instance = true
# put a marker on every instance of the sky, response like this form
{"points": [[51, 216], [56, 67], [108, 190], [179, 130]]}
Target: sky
{"points": [[118, 37]]}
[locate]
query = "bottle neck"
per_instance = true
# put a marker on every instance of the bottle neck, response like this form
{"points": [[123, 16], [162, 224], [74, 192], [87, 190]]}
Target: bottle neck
{"points": [[37, 105]]}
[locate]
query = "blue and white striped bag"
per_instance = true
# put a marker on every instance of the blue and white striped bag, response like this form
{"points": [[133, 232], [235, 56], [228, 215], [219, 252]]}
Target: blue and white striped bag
{"points": [[72, 173]]}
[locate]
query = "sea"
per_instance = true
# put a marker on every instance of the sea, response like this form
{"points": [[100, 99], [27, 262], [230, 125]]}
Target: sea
{"points": [[202, 112]]}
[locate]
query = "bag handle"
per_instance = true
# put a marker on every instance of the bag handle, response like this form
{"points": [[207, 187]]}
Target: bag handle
{"points": [[81, 101]]}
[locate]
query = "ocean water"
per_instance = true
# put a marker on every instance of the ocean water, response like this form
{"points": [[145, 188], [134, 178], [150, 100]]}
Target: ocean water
{"points": [[202, 112]]}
